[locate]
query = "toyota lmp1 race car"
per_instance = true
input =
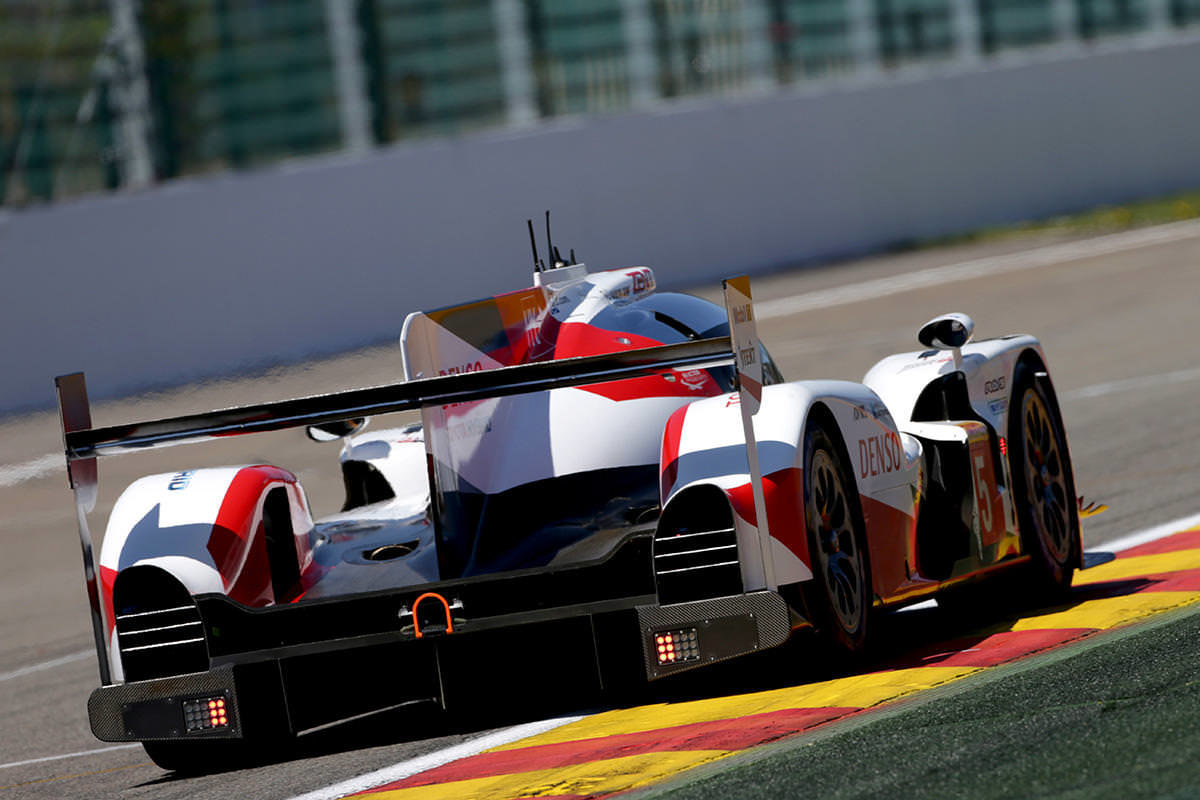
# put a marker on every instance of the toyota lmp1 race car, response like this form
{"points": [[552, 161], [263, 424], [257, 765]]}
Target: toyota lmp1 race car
{"points": [[607, 482]]}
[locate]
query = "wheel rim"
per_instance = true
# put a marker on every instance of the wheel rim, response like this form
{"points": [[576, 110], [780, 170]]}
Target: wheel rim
{"points": [[838, 556], [1045, 480]]}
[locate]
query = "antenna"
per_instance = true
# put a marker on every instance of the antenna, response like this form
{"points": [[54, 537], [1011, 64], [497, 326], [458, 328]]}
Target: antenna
{"points": [[558, 262], [537, 266], [573, 259]]}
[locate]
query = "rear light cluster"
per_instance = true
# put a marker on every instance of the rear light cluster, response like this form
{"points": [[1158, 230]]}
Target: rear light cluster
{"points": [[205, 714], [673, 647]]}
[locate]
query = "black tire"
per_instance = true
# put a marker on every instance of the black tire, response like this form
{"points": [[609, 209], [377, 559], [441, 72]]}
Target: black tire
{"points": [[1043, 487], [839, 597], [200, 757]]}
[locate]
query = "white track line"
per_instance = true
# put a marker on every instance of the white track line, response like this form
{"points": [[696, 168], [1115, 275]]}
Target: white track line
{"points": [[54, 662], [436, 759], [977, 268], [14, 474], [69, 755]]}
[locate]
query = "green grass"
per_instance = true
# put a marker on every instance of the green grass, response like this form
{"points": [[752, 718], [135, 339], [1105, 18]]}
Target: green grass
{"points": [[1102, 219]]}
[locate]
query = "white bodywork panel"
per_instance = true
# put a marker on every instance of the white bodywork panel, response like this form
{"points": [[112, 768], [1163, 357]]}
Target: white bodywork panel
{"points": [[399, 455], [988, 366], [560, 432], [150, 509], [711, 449], [169, 521]]}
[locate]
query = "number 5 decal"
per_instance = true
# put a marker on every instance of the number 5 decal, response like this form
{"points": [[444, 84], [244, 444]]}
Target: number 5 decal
{"points": [[983, 495]]}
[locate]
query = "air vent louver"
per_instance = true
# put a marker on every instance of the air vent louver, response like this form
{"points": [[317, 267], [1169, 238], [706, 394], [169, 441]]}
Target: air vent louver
{"points": [[695, 548]]}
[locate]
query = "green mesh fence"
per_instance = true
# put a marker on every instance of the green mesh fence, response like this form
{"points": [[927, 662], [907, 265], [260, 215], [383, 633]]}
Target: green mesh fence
{"points": [[89, 103], [912, 30], [811, 37], [56, 127], [579, 56], [708, 46], [1108, 17], [1184, 12], [433, 66], [1015, 23], [238, 82]]}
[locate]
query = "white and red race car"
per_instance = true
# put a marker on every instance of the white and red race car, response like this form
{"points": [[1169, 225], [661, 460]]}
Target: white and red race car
{"points": [[606, 480]]}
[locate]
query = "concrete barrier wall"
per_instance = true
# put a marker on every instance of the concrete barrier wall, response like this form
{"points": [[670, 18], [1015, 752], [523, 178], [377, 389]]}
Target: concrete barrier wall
{"points": [[209, 276]]}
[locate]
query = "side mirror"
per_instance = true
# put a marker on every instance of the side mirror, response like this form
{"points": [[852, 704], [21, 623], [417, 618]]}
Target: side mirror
{"points": [[947, 332], [332, 431]]}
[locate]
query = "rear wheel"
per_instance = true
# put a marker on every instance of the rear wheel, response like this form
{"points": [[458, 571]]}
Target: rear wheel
{"points": [[1043, 486], [261, 718], [839, 596], [194, 758]]}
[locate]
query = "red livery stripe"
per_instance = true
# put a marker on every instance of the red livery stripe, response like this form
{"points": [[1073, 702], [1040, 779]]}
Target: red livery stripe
{"points": [[108, 577], [669, 460], [240, 554], [892, 541], [783, 493], [582, 339]]}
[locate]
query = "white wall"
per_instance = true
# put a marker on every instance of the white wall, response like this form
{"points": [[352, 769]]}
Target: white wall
{"points": [[209, 276]]}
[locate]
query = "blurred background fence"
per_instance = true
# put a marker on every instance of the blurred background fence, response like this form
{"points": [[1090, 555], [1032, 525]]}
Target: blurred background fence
{"points": [[100, 94]]}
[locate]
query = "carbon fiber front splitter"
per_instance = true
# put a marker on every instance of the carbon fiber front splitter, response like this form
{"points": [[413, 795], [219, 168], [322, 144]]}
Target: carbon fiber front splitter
{"points": [[685, 636], [158, 709]]}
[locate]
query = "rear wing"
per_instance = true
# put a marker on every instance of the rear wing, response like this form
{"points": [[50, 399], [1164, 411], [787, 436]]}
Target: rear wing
{"points": [[84, 444]]}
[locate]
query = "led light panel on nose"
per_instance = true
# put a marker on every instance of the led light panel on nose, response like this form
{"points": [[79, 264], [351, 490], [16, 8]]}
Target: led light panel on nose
{"points": [[674, 647], [205, 714]]}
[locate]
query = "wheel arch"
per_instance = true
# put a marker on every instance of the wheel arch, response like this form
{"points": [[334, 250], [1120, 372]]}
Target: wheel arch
{"points": [[821, 413], [239, 531], [705, 443]]}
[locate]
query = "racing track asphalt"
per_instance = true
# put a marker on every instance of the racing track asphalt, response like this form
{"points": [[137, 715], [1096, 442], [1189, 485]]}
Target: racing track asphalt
{"points": [[1119, 330]]}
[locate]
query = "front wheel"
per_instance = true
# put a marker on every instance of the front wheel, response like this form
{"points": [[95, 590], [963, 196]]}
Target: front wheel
{"points": [[1043, 486], [839, 596]]}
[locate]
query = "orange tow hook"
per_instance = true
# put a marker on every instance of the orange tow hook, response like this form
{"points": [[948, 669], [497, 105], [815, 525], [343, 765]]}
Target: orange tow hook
{"points": [[445, 607]]}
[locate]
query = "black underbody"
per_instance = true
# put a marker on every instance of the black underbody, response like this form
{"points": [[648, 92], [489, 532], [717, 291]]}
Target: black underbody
{"points": [[306, 665]]}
